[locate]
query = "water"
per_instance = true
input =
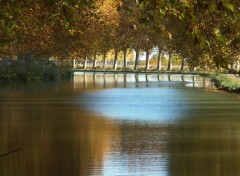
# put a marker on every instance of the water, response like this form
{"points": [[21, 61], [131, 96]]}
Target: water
{"points": [[119, 125]]}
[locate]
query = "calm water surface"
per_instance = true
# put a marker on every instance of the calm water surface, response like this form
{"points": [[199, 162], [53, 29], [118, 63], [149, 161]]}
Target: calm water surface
{"points": [[119, 125]]}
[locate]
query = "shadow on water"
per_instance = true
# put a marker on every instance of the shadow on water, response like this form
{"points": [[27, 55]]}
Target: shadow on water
{"points": [[146, 125]]}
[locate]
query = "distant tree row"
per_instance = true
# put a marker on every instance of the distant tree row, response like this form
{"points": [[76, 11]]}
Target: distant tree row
{"points": [[203, 34]]}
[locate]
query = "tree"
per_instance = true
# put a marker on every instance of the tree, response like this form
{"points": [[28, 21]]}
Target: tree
{"points": [[75, 30]]}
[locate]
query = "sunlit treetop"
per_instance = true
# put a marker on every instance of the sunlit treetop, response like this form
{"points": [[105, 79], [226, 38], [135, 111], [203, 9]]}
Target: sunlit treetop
{"points": [[62, 27]]}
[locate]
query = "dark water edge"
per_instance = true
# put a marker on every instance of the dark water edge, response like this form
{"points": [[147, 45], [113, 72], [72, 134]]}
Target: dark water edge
{"points": [[119, 124]]}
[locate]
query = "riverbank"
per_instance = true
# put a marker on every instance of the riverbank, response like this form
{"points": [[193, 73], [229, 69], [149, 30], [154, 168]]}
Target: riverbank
{"points": [[47, 71], [226, 82]]}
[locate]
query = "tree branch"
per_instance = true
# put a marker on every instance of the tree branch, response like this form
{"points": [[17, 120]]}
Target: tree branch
{"points": [[10, 152]]}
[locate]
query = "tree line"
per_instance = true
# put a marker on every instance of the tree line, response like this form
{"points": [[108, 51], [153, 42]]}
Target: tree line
{"points": [[203, 34]]}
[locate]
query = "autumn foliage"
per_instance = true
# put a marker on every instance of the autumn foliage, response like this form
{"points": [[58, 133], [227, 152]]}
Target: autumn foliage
{"points": [[81, 30]]}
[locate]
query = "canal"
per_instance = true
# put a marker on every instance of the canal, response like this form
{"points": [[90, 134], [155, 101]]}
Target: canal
{"points": [[115, 124]]}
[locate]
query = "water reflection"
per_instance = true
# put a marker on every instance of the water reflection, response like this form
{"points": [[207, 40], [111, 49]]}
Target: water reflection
{"points": [[87, 128], [70, 142], [163, 105], [90, 80], [140, 150], [205, 148]]}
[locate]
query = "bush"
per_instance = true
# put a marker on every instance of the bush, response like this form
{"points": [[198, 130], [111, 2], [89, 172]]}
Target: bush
{"points": [[39, 70], [66, 73]]}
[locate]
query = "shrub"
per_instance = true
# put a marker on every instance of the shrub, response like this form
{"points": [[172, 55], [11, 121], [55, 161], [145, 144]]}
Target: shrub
{"points": [[39, 70]]}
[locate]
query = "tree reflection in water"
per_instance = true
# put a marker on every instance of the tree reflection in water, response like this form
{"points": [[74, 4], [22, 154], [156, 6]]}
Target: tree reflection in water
{"points": [[60, 136]]}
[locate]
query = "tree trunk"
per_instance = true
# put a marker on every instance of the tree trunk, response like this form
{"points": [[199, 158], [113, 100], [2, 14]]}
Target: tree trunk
{"points": [[25, 58], [125, 58], [159, 66], [182, 64], [238, 66], [136, 59], [115, 60], [104, 60], [232, 66], [169, 61], [125, 80], [94, 80], [95, 60], [19, 58], [147, 60], [74, 63], [85, 61], [169, 77], [136, 78]]}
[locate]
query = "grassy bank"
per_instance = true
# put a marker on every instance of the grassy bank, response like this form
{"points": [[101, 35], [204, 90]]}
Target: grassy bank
{"points": [[16, 72], [225, 82]]}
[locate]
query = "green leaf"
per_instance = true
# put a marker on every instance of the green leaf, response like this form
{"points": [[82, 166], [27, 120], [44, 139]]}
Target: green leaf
{"points": [[141, 6], [208, 44], [169, 35], [10, 24], [162, 11], [219, 36], [213, 7], [228, 6], [128, 10]]}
